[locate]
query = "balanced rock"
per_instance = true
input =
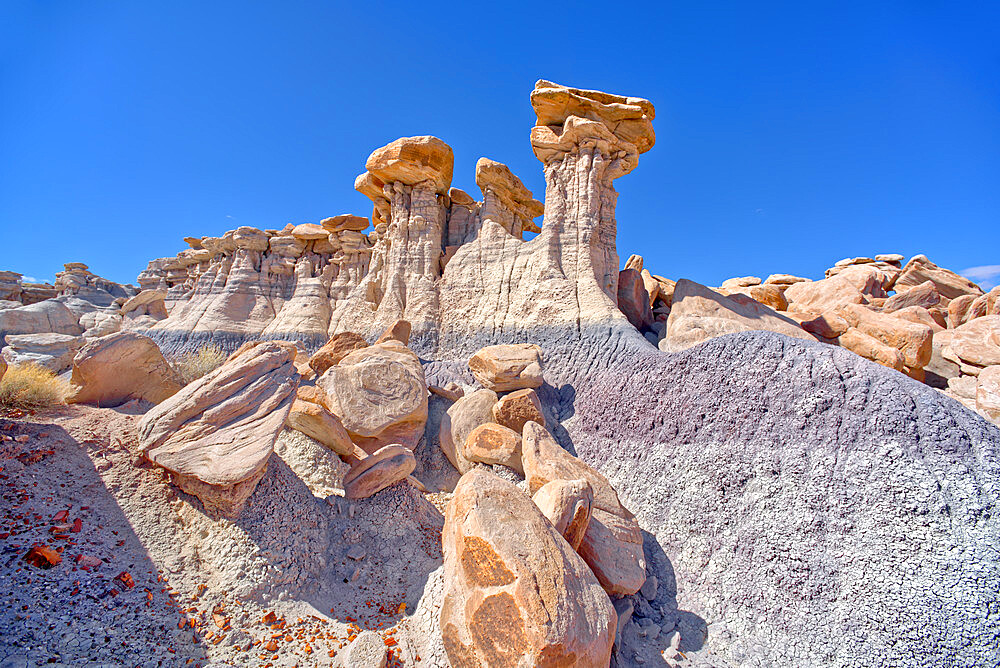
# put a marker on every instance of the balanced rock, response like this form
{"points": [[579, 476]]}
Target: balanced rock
{"points": [[949, 284], [54, 352], [612, 543], [496, 178], [699, 313], [412, 160], [384, 467], [379, 394], [567, 504], [518, 408], [319, 424], [516, 594], [345, 221], [117, 368], [337, 348], [462, 417], [508, 366], [492, 443], [216, 435]]}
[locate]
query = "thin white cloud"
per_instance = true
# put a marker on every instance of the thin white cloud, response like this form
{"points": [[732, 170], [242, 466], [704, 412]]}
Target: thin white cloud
{"points": [[987, 276], [29, 279]]}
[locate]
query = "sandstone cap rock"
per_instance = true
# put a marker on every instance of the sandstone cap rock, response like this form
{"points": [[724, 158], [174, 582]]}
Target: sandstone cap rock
{"points": [[496, 177], [309, 232], [345, 221], [413, 160]]}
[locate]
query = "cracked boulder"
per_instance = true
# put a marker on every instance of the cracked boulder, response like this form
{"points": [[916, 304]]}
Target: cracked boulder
{"points": [[516, 594], [117, 368]]}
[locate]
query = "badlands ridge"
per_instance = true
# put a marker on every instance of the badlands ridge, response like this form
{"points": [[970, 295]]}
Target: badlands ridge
{"points": [[430, 440]]}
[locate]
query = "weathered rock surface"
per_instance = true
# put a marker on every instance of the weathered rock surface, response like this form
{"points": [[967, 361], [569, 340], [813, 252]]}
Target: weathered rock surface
{"points": [[871, 348], [767, 450], [913, 340], [816, 297], [567, 504], [319, 424], [633, 299], [215, 436], [508, 367], [113, 369], [44, 317], [413, 160], [949, 284], [518, 408], [337, 348], [516, 593], [925, 295], [470, 411], [55, 352], [699, 313], [492, 443], [987, 393], [612, 543], [386, 466], [379, 394], [978, 341]]}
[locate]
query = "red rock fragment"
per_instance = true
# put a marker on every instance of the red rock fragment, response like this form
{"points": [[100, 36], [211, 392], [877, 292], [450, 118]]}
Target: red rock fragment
{"points": [[86, 561], [125, 579], [60, 516], [41, 556], [77, 525]]}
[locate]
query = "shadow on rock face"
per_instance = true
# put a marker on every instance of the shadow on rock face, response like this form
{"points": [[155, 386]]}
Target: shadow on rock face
{"points": [[657, 632]]}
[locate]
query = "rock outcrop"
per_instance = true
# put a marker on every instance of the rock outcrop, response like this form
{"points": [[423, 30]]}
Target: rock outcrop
{"points": [[217, 434], [113, 369], [55, 352], [379, 394], [516, 592]]}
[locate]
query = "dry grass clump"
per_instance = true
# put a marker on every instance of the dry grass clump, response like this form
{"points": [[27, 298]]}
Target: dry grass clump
{"points": [[29, 386], [194, 365]]}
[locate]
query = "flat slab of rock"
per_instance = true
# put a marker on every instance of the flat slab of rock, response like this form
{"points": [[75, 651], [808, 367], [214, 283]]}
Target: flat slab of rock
{"points": [[377, 471], [379, 394], [508, 367], [919, 269], [516, 594], [699, 313], [117, 368], [55, 352], [216, 435], [612, 543]]}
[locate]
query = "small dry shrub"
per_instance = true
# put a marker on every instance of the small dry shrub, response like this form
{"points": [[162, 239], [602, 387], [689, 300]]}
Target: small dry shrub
{"points": [[29, 386], [194, 365]]}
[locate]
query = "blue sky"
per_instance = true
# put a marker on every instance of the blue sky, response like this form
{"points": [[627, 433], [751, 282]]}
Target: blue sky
{"points": [[789, 135]]}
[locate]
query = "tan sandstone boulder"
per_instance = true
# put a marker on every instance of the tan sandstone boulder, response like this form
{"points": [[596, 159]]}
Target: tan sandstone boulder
{"points": [[462, 417], [911, 339], [633, 299], [492, 443], [216, 435], [699, 313], [508, 367], [816, 297], [977, 342], [870, 348], [612, 544], [925, 295], [117, 368], [516, 594], [386, 466], [567, 504], [397, 331], [411, 160], [949, 284], [379, 394], [988, 392], [315, 421], [518, 408], [337, 348]]}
